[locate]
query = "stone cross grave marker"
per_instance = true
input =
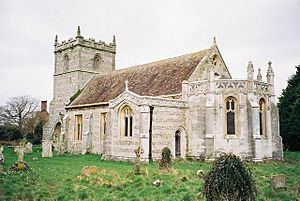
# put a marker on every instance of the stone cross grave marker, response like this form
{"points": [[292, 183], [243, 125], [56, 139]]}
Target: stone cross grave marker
{"points": [[20, 152]]}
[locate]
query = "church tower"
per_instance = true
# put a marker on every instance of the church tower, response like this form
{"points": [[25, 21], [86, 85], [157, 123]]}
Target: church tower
{"points": [[77, 61]]}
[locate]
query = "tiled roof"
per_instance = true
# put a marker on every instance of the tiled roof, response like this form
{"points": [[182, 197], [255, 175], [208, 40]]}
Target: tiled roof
{"points": [[153, 79]]}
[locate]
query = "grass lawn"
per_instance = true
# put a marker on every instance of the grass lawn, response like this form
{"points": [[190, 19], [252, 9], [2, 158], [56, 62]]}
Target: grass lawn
{"points": [[59, 178]]}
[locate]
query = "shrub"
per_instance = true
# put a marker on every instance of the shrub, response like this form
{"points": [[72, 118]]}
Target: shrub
{"points": [[10, 133], [165, 162], [229, 179]]}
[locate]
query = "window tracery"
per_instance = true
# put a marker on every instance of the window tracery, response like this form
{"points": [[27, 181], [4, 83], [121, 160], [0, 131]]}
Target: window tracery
{"points": [[230, 111], [262, 117], [126, 120]]}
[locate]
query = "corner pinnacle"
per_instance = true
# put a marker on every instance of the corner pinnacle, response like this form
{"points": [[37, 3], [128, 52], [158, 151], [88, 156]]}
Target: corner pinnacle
{"points": [[78, 31], [214, 41], [114, 39], [55, 41]]}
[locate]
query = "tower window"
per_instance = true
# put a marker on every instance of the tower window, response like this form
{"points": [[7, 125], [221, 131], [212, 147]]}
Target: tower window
{"points": [[126, 121], [230, 115], [96, 62], [66, 62]]}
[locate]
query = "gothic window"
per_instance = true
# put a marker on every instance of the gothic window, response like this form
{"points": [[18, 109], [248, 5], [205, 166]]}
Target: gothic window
{"points": [[177, 144], [230, 115], [262, 117], [126, 121], [96, 61], [102, 125], [66, 62], [78, 127]]}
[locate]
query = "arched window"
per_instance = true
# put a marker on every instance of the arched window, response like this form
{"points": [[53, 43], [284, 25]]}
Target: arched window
{"points": [[177, 144], [126, 121], [57, 132], [102, 125], [96, 61], [66, 62], [230, 115], [78, 127], [262, 117]]}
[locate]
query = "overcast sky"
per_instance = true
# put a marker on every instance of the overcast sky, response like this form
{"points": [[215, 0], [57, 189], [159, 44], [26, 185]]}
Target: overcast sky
{"points": [[146, 31]]}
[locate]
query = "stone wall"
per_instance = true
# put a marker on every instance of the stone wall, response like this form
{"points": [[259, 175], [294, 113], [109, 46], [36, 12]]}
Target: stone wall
{"points": [[68, 79], [166, 121], [91, 138]]}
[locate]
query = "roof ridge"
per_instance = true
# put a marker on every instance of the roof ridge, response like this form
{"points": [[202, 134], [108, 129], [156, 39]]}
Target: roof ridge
{"points": [[153, 62], [163, 77]]}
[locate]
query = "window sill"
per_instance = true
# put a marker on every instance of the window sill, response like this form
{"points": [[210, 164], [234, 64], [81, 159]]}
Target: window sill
{"points": [[231, 137], [260, 137]]}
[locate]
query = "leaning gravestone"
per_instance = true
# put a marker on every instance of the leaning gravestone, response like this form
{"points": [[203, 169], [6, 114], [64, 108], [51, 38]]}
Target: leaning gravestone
{"points": [[278, 181], [1, 155], [28, 148], [47, 148]]}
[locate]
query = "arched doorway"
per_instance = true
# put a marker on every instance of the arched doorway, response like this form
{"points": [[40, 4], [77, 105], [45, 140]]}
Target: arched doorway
{"points": [[57, 132], [177, 144]]}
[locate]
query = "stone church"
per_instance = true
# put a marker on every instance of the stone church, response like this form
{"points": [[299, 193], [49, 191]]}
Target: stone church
{"points": [[189, 103]]}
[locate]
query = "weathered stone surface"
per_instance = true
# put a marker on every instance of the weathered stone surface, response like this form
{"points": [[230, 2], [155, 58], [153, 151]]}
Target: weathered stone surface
{"points": [[19, 150], [28, 148], [278, 181], [1, 154], [137, 162], [47, 148], [61, 148]]}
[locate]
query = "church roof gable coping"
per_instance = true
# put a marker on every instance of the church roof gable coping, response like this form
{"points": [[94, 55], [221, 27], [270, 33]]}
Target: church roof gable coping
{"points": [[158, 78]]}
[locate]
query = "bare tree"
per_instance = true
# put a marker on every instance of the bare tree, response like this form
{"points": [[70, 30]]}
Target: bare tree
{"points": [[18, 111]]}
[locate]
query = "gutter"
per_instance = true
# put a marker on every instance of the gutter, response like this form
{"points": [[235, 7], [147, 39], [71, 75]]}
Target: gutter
{"points": [[87, 105]]}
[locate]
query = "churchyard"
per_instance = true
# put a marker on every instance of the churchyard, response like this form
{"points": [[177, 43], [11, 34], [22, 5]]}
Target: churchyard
{"points": [[63, 177]]}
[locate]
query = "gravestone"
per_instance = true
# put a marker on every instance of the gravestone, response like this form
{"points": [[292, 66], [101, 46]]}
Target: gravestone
{"points": [[28, 148], [47, 148], [20, 152], [137, 162], [278, 181], [1, 155], [61, 148]]}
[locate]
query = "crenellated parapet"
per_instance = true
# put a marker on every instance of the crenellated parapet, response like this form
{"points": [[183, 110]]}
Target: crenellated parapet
{"points": [[87, 43]]}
